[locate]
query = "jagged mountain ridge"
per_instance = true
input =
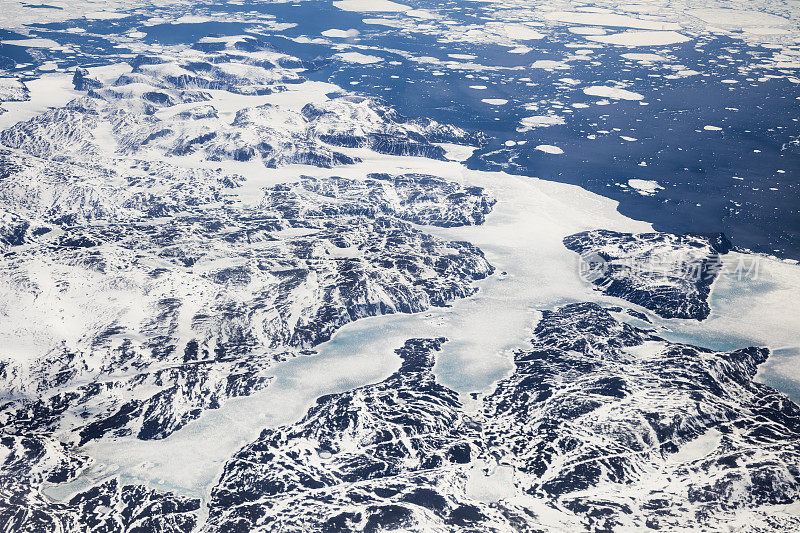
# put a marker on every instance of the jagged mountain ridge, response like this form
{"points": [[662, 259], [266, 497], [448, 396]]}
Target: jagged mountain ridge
{"points": [[164, 295]]}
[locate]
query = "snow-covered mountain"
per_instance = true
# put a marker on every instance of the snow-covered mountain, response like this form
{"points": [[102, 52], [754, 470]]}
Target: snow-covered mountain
{"points": [[165, 108]]}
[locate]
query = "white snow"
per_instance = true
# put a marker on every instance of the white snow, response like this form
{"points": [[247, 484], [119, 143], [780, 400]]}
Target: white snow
{"points": [[523, 237], [698, 448], [490, 483], [50, 90], [12, 89], [529, 221], [494, 101]]}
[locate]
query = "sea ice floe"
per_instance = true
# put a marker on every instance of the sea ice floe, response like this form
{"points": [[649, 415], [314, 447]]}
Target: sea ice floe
{"points": [[645, 187], [738, 18], [612, 92], [610, 19], [342, 34], [587, 30], [539, 121], [549, 149], [549, 64], [644, 58], [641, 38], [31, 43], [517, 32], [422, 14], [371, 5], [358, 57], [192, 19]]}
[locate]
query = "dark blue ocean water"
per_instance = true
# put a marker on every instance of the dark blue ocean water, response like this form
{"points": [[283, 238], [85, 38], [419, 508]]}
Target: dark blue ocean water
{"points": [[743, 180]]}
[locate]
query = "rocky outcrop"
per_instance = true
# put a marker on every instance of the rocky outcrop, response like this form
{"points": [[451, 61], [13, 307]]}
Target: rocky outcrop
{"points": [[668, 274]]}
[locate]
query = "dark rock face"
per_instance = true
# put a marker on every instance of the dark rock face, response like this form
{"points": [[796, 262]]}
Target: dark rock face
{"points": [[668, 274], [381, 456], [82, 82], [605, 426]]}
